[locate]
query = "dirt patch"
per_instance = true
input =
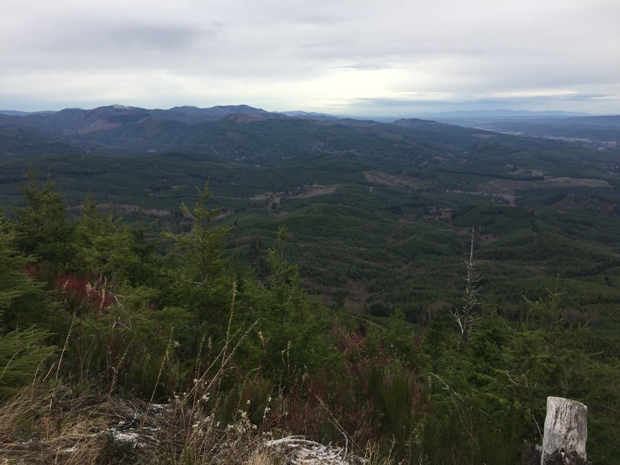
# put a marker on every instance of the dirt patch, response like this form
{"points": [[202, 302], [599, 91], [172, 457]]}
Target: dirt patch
{"points": [[509, 187], [302, 192], [392, 180], [313, 191], [126, 209]]}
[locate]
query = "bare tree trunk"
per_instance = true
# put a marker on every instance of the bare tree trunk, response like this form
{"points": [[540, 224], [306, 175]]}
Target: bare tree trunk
{"points": [[566, 430]]}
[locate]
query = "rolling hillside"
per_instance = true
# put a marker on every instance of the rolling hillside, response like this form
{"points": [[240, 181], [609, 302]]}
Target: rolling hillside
{"points": [[378, 213]]}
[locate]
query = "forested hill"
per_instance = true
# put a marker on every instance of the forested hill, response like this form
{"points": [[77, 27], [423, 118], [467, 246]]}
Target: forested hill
{"points": [[378, 213], [412, 288], [236, 132]]}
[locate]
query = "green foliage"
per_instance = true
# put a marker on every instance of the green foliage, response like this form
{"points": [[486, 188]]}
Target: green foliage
{"points": [[42, 227], [399, 337], [284, 283], [292, 326], [106, 246], [495, 384], [425, 393], [22, 356], [23, 302], [199, 282]]}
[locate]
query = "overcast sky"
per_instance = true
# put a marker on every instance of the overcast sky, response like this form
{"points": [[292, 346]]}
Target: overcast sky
{"points": [[360, 57]]}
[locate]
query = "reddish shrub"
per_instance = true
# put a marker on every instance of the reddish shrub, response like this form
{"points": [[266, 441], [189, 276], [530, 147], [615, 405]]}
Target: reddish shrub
{"points": [[82, 294]]}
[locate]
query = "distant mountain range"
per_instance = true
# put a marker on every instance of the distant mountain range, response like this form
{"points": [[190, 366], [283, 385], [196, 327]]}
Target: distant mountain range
{"points": [[223, 110], [245, 133], [238, 131]]}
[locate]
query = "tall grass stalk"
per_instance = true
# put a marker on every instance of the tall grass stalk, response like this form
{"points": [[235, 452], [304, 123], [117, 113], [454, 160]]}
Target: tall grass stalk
{"points": [[64, 347], [117, 368], [161, 368]]}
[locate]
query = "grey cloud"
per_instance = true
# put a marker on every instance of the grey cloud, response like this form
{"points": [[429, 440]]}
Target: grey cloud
{"points": [[108, 45], [146, 36], [446, 49], [369, 66]]}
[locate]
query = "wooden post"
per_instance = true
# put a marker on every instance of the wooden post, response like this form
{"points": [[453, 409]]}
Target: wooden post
{"points": [[566, 430]]}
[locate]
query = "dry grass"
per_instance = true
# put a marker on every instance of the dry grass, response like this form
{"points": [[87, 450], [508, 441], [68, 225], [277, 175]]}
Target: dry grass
{"points": [[37, 428], [261, 458]]}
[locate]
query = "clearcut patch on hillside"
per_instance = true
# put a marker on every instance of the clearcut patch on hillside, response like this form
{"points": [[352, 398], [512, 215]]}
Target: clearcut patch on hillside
{"points": [[302, 192], [510, 187], [394, 180]]}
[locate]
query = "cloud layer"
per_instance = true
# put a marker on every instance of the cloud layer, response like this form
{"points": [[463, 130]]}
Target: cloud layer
{"points": [[341, 56]]}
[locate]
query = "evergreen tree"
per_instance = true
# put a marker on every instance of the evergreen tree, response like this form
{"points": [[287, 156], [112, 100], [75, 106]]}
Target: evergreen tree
{"points": [[106, 246], [147, 268], [23, 302], [294, 326], [199, 282], [285, 283], [43, 230]]}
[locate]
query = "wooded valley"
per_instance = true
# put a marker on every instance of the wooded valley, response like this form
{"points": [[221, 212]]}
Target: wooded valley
{"points": [[414, 290]]}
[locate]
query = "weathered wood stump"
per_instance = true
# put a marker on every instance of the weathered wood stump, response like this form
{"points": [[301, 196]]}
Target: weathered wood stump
{"points": [[566, 430]]}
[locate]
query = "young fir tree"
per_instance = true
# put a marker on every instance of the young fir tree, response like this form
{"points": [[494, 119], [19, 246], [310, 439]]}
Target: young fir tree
{"points": [[22, 304], [199, 282], [43, 230], [285, 283], [106, 247], [294, 326]]}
